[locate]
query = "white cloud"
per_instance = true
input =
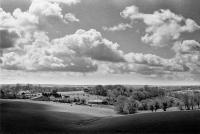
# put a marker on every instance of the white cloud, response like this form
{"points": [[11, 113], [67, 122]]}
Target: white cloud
{"points": [[148, 59], [154, 61], [130, 12], [162, 26], [38, 57], [78, 52], [85, 51], [46, 10], [128, 68], [71, 17], [67, 2], [119, 27], [187, 47], [24, 20], [40, 15], [90, 43]]}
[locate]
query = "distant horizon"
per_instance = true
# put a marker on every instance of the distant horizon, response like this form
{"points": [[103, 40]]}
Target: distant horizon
{"points": [[100, 84]]}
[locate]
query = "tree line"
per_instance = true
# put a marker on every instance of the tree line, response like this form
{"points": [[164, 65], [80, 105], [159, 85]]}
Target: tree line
{"points": [[128, 100]]}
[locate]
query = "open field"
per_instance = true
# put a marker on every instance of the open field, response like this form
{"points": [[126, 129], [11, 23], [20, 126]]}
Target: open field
{"points": [[30, 118], [97, 111]]}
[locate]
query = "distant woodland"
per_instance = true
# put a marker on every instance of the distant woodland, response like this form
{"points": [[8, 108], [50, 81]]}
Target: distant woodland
{"points": [[126, 99]]}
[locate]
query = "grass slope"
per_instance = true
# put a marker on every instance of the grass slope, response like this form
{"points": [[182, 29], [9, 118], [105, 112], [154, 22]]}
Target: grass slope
{"points": [[30, 118]]}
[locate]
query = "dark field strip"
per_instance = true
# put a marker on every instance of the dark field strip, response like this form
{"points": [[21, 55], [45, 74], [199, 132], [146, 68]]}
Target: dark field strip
{"points": [[31, 118]]}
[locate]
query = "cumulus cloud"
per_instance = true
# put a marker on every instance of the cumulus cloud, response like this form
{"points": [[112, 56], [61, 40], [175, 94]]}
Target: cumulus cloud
{"points": [[7, 38], [71, 17], [39, 57], [40, 15], [78, 52], [84, 51], [162, 25], [48, 10], [146, 70], [90, 43], [188, 53], [187, 47], [154, 61], [189, 59], [149, 64], [67, 2], [119, 27], [148, 59]]}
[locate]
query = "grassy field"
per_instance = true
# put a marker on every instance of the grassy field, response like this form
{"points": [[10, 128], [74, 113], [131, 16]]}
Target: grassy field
{"points": [[31, 118]]}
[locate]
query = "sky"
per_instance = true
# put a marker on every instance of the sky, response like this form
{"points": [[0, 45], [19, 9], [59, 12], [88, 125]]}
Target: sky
{"points": [[84, 42]]}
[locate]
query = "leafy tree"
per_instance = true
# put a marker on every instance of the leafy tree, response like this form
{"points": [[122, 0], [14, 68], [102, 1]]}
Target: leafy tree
{"points": [[144, 106], [55, 94], [164, 106], [119, 105], [157, 106], [2, 94], [152, 107], [197, 99], [180, 105], [192, 101], [131, 106], [186, 100]]}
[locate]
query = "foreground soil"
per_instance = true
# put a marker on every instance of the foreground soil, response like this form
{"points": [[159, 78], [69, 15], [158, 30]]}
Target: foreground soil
{"points": [[32, 118]]}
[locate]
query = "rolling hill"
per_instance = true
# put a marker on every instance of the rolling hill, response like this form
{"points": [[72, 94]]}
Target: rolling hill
{"points": [[32, 118]]}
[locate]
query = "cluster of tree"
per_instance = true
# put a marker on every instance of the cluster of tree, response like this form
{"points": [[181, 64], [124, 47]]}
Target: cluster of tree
{"points": [[5, 94], [129, 100], [188, 100], [77, 100], [126, 105], [97, 90], [129, 104], [53, 93], [13, 89], [113, 91]]}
